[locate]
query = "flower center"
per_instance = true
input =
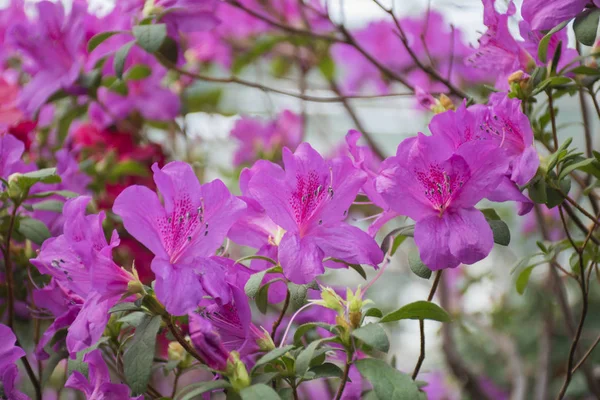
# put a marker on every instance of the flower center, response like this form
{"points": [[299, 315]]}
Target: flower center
{"points": [[439, 185], [311, 191]]}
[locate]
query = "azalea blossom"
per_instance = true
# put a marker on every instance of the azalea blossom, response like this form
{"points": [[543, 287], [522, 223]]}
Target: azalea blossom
{"points": [[11, 150], [501, 124], [265, 139], [439, 187], [183, 233], [9, 355], [52, 44], [546, 14], [81, 261], [308, 201], [98, 386]]}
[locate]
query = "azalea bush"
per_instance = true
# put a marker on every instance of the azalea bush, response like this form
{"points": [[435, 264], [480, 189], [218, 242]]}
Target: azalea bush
{"points": [[136, 264]]}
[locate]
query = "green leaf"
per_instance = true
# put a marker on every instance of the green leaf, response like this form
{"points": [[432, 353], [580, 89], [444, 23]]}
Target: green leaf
{"points": [[262, 298], [417, 266], [99, 38], [554, 196], [388, 383], [325, 370], [65, 121], [537, 191], [523, 279], [418, 310], [327, 67], [169, 50], [545, 41], [45, 175], [138, 358], [490, 214], [572, 167], [586, 26], [49, 205], [77, 364], [500, 231], [259, 392], [374, 336], [304, 328], [305, 357], [150, 37], [253, 284], [120, 58], [373, 312], [34, 230], [137, 72], [195, 389], [62, 193], [127, 168], [261, 46], [298, 293], [585, 70], [273, 355], [123, 307], [387, 240], [201, 99]]}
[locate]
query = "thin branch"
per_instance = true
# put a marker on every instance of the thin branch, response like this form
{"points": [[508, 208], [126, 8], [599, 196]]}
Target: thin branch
{"points": [[434, 287], [281, 315], [426, 68], [239, 81], [587, 354], [347, 366]]}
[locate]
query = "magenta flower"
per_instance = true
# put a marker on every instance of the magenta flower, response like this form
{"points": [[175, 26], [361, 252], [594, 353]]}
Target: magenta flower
{"points": [[53, 44], [546, 14], [501, 54], [11, 150], [208, 343], [9, 355], [64, 305], [98, 386], [438, 188], [188, 15], [81, 261], [309, 201], [366, 160], [265, 139], [183, 233], [501, 124]]}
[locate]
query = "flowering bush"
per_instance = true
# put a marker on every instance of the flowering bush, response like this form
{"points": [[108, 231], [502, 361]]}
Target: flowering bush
{"points": [[134, 269]]}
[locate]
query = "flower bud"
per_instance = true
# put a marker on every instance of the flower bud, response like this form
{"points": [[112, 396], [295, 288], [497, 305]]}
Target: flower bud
{"points": [[516, 76], [237, 372], [265, 342], [331, 300], [446, 102]]}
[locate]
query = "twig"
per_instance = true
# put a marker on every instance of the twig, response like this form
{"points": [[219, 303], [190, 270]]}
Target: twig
{"points": [[586, 355], [552, 118], [436, 282], [426, 68], [281, 315], [184, 343], [374, 146], [232, 79], [342, 386]]}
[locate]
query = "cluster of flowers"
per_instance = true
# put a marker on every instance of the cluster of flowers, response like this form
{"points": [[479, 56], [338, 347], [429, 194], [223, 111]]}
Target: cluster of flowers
{"points": [[294, 213]]}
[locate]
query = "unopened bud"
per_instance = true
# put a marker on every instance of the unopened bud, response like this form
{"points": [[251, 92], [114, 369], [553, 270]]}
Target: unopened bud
{"points": [[176, 351], [265, 342], [237, 372], [516, 76], [135, 287], [446, 102]]}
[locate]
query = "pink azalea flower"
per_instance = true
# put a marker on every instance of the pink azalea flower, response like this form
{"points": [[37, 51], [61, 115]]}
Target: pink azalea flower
{"points": [[308, 200], [81, 261], [98, 386], [438, 188], [501, 124], [64, 305], [546, 14], [367, 161], [188, 15], [259, 138], [53, 44], [9, 355], [11, 150], [183, 233], [501, 54]]}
